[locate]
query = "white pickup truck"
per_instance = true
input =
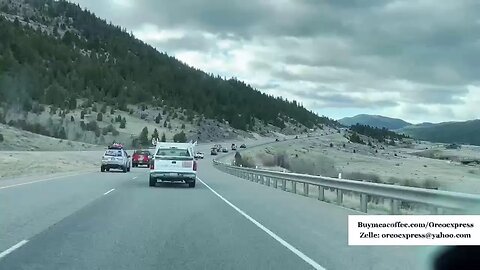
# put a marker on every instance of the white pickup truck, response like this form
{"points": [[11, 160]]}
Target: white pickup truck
{"points": [[173, 162]]}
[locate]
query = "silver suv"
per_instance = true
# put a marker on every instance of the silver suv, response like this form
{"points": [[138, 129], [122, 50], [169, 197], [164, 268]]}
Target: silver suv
{"points": [[116, 159]]}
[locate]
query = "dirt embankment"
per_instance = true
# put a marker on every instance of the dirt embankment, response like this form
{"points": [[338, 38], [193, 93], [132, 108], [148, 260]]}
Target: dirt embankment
{"points": [[37, 163]]}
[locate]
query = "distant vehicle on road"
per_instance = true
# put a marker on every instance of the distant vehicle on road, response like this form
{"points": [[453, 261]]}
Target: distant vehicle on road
{"points": [[174, 162], [224, 150], [115, 158], [214, 152], [277, 140], [141, 157], [296, 137], [243, 146], [234, 147], [199, 155], [218, 147]]}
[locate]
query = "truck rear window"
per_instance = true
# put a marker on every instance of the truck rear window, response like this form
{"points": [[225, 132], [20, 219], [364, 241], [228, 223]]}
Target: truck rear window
{"points": [[142, 152], [173, 152]]}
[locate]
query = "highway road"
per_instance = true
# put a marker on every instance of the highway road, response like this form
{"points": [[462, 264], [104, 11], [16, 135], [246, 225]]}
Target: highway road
{"points": [[116, 221]]}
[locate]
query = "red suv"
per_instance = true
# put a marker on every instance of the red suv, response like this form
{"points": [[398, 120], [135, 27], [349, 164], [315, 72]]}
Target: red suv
{"points": [[141, 157]]}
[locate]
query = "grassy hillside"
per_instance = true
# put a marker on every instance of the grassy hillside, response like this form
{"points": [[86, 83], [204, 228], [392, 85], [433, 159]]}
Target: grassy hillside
{"points": [[53, 52], [452, 132]]}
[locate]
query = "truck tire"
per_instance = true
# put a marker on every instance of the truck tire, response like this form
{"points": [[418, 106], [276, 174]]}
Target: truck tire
{"points": [[128, 168], [191, 184], [152, 182], [102, 168], [124, 169]]}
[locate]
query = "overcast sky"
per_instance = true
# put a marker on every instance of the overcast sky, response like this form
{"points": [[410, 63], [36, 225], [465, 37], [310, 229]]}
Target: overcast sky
{"points": [[418, 60]]}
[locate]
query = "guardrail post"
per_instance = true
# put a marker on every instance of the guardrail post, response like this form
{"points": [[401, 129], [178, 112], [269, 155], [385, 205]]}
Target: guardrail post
{"points": [[275, 183], [267, 179], [339, 196], [321, 193], [294, 187], [284, 184], [435, 210], [363, 202], [394, 207], [305, 189]]}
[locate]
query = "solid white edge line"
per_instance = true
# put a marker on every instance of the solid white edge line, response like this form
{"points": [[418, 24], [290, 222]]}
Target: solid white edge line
{"points": [[11, 249], [297, 252], [42, 180], [108, 191]]}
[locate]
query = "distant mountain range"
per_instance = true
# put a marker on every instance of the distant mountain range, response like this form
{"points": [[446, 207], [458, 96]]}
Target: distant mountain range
{"points": [[467, 132], [374, 121]]}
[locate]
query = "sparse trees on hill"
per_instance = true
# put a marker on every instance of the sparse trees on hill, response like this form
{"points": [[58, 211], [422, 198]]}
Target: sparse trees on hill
{"points": [[354, 138], [117, 78]]}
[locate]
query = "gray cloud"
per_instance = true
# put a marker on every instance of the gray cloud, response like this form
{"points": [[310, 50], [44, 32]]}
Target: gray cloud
{"points": [[417, 51], [325, 98]]}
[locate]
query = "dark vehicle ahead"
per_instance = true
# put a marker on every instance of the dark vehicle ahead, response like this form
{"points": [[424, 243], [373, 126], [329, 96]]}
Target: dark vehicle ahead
{"points": [[234, 147], [243, 146], [224, 150], [214, 152], [141, 157]]}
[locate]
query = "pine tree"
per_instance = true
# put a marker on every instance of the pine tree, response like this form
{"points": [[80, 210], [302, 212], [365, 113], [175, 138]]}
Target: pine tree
{"points": [[100, 117], [143, 138], [155, 134], [164, 138], [180, 137], [123, 123]]}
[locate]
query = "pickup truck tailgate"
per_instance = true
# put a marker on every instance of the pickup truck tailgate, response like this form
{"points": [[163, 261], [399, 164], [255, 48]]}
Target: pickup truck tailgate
{"points": [[173, 165], [173, 160]]}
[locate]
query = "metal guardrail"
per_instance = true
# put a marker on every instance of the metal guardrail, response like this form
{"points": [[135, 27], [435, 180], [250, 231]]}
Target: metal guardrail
{"points": [[439, 201]]}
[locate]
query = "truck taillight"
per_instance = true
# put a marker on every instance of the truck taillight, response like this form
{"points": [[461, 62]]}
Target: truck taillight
{"points": [[152, 165], [195, 166]]}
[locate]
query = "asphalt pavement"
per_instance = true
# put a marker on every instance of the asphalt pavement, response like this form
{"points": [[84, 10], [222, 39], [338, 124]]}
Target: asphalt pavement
{"points": [[116, 221]]}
